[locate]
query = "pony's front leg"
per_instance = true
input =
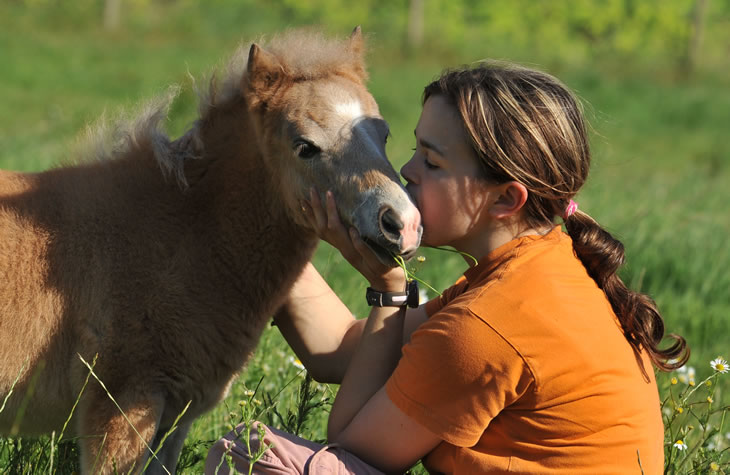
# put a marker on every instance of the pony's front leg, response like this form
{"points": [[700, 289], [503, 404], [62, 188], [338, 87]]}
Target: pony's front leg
{"points": [[114, 440], [168, 454]]}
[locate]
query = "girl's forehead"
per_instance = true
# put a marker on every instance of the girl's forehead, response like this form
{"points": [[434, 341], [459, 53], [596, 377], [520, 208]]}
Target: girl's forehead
{"points": [[440, 123]]}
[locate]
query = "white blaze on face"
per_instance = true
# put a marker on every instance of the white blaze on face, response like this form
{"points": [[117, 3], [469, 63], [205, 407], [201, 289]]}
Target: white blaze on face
{"points": [[349, 110]]}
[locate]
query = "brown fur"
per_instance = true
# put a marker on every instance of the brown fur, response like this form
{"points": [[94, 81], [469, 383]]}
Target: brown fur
{"points": [[172, 285]]}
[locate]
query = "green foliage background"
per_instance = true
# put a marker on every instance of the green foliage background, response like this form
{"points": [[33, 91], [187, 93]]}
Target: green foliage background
{"points": [[659, 110]]}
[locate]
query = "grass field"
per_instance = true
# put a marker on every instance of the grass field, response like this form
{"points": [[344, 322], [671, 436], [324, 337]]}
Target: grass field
{"points": [[659, 182]]}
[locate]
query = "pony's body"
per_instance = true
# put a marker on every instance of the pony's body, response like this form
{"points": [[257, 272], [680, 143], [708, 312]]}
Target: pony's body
{"points": [[170, 285]]}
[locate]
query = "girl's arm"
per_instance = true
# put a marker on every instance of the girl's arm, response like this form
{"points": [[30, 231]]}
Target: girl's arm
{"points": [[322, 331], [319, 327], [363, 419]]}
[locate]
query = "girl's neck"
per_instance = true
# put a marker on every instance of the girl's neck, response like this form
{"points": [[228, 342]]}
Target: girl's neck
{"points": [[500, 234]]}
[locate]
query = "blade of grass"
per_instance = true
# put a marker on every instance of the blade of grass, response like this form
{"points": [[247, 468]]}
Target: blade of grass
{"points": [[91, 370]]}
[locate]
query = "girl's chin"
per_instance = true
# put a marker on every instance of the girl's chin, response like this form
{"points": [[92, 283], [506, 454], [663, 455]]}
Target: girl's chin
{"points": [[426, 241]]}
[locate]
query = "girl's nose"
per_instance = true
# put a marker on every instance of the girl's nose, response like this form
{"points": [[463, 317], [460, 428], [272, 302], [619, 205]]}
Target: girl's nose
{"points": [[406, 171]]}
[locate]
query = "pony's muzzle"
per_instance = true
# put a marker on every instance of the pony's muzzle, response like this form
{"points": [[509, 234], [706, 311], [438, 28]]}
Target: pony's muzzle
{"points": [[401, 233]]}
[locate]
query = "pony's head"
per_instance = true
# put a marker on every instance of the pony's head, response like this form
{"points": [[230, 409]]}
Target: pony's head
{"points": [[319, 127]]}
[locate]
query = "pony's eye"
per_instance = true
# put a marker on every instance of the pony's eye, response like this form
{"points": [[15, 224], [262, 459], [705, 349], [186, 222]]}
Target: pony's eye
{"points": [[306, 149]]}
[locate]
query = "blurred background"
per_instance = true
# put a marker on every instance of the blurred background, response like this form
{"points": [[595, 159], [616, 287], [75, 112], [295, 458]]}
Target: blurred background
{"points": [[654, 76]]}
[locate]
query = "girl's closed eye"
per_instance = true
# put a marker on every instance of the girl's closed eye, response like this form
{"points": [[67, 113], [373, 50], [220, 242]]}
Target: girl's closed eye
{"points": [[429, 164]]}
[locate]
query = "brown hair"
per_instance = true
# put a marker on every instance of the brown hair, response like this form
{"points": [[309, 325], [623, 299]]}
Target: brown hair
{"points": [[526, 126]]}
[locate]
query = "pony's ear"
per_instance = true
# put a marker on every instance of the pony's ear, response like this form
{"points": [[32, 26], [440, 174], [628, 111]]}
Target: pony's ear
{"points": [[356, 46], [263, 70]]}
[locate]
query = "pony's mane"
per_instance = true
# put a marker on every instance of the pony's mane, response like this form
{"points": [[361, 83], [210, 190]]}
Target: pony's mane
{"points": [[303, 54]]}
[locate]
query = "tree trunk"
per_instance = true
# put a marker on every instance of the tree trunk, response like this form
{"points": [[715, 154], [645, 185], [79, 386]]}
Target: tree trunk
{"points": [[112, 9], [696, 32], [415, 23]]}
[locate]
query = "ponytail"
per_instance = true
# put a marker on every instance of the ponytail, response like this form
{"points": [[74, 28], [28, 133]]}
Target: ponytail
{"points": [[602, 255]]}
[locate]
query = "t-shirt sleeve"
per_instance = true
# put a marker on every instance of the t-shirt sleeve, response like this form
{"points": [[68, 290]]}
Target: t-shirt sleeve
{"points": [[436, 304], [456, 375]]}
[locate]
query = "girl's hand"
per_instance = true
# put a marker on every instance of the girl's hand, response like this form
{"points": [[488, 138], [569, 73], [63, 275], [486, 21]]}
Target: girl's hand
{"points": [[326, 222]]}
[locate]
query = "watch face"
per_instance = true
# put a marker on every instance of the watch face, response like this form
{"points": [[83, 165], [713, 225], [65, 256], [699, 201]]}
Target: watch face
{"points": [[413, 294]]}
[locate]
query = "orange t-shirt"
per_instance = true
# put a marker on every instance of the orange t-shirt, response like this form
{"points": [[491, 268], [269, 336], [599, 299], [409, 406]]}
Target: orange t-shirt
{"points": [[522, 367]]}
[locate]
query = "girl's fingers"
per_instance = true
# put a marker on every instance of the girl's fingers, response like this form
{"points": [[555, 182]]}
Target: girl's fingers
{"points": [[358, 243], [333, 217], [326, 221], [320, 218]]}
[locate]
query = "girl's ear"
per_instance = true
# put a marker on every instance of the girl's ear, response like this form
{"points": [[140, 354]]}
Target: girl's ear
{"points": [[511, 197]]}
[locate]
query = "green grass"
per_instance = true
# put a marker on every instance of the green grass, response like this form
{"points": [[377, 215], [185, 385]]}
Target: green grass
{"points": [[659, 180]]}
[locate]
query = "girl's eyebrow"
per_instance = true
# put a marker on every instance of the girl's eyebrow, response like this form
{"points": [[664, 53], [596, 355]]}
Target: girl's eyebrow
{"points": [[428, 145]]}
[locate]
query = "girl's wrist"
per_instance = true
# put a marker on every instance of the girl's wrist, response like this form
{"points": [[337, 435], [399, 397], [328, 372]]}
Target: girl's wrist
{"points": [[391, 284]]}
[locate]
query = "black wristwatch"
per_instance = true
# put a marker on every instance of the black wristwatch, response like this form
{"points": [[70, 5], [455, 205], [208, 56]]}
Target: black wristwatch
{"points": [[394, 299]]}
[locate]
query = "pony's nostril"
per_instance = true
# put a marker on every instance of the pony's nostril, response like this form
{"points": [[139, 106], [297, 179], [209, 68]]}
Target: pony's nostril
{"points": [[390, 225]]}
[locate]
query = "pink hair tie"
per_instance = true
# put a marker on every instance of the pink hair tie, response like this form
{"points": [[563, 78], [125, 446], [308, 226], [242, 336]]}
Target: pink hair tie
{"points": [[572, 208]]}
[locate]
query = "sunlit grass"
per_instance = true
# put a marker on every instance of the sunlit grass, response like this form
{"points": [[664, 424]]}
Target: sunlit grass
{"points": [[659, 183]]}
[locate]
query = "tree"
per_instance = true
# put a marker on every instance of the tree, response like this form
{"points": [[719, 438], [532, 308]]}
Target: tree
{"points": [[112, 9]]}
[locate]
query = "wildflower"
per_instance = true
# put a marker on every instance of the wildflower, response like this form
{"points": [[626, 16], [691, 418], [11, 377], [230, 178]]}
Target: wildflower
{"points": [[243, 403], [421, 258], [709, 399], [720, 365], [248, 393], [296, 362], [679, 409], [674, 380], [257, 402], [680, 445], [686, 375], [714, 467]]}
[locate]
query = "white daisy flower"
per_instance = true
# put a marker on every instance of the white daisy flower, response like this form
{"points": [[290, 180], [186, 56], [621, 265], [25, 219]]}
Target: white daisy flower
{"points": [[680, 445], [720, 365], [686, 374], [296, 362]]}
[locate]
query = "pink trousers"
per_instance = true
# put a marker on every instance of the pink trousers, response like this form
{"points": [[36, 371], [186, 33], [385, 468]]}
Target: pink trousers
{"points": [[289, 455]]}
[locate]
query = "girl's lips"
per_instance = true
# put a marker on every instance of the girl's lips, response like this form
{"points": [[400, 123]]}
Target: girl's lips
{"points": [[409, 190]]}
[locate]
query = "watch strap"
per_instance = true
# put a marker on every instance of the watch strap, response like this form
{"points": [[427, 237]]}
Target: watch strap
{"points": [[394, 299]]}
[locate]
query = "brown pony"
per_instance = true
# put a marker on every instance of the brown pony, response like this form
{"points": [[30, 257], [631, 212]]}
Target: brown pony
{"points": [[167, 258]]}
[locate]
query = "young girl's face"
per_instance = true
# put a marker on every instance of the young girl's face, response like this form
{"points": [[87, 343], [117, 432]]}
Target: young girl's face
{"points": [[443, 179]]}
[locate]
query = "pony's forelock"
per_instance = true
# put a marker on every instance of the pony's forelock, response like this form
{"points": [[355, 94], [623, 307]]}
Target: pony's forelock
{"points": [[303, 54]]}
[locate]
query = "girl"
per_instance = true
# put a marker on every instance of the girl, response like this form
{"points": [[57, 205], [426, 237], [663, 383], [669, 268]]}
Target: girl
{"points": [[538, 359]]}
